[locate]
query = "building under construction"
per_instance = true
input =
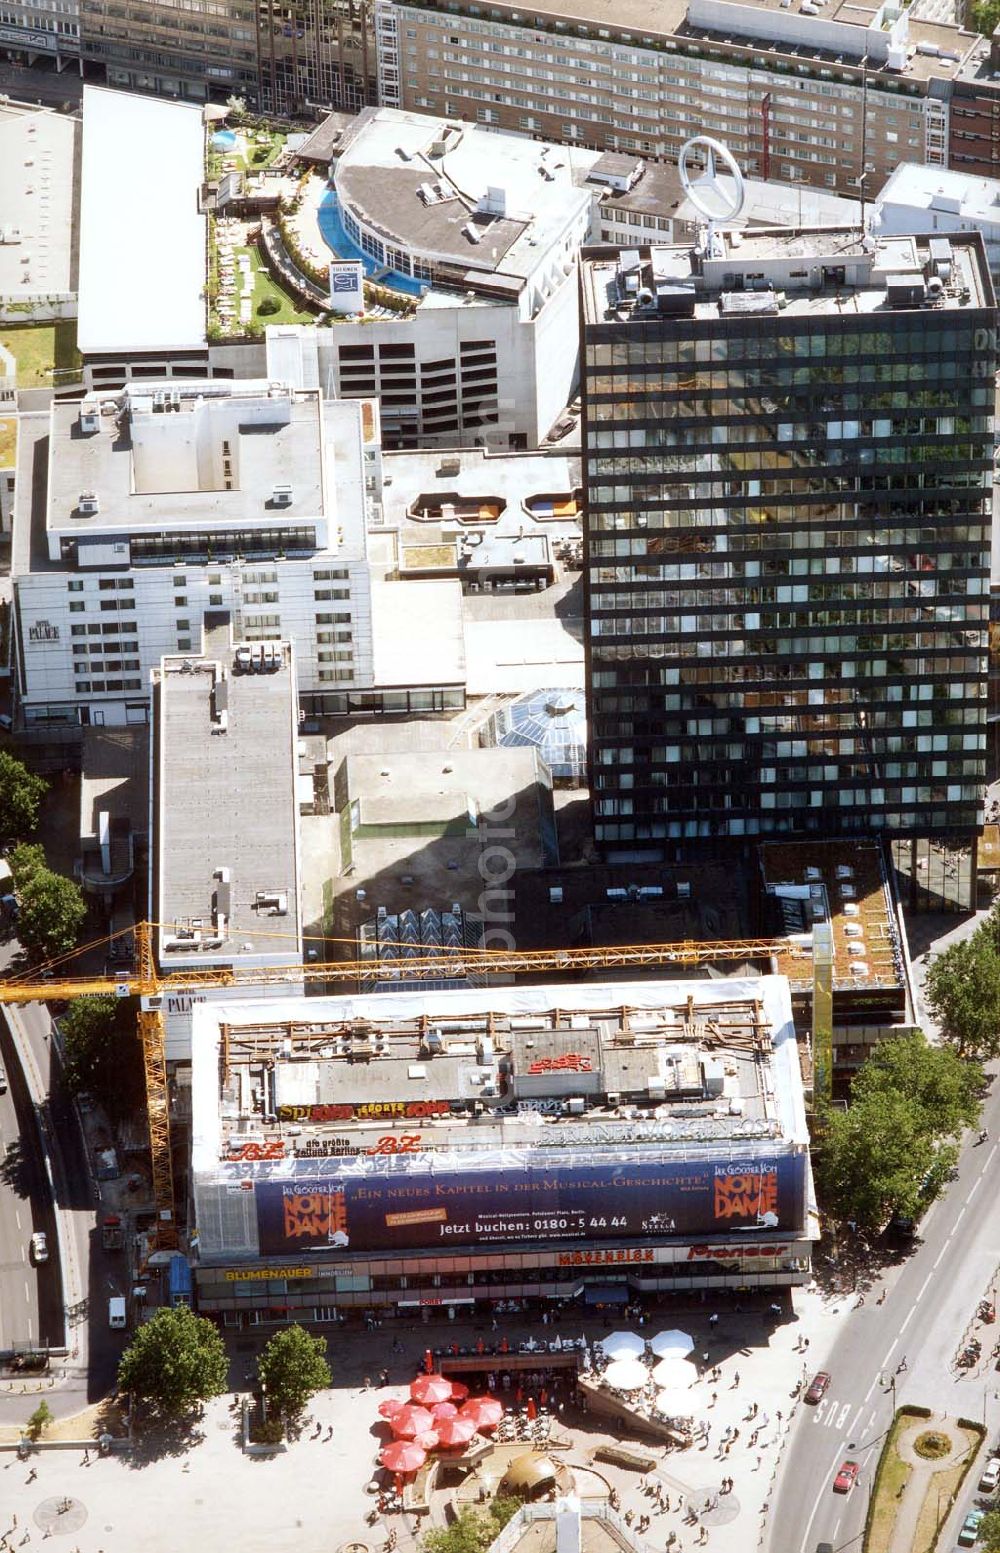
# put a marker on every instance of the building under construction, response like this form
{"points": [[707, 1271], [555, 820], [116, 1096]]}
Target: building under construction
{"points": [[574, 1143]]}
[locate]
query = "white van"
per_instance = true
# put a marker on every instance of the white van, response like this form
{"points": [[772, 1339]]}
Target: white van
{"points": [[117, 1316]]}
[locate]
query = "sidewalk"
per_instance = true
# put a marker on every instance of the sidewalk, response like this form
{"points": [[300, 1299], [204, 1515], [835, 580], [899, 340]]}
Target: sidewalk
{"points": [[313, 1496]]}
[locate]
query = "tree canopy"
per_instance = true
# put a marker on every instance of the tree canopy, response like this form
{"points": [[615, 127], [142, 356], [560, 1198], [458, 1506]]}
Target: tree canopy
{"points": [[175, 1361], [941, 1088], [892, 1149], [293, 1368], [21, 793], [984, 16], [989, 1532], [102, 1054], [51, 909], [473, 1529], [962, 991]]}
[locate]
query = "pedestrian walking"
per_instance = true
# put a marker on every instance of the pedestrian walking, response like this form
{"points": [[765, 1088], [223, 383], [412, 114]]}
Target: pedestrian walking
{"points": [[715, 1398], [736, 1380], [713, 1320], [759, 1460]]}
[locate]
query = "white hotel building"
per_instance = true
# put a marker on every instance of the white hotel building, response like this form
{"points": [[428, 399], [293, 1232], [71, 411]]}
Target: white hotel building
{"points": [[486, 228], [144, 514]]}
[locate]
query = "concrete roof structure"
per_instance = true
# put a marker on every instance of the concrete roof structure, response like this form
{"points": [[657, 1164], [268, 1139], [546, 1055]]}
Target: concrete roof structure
{"points": [[419, 633], [38, 203], [935, 199], [177, 455], [227, 830], [460, 193], [513, 657], [660, 192], [846, 35], [847, 883], [793, 262], [142, 236], [472, 512], [715, 1062]]}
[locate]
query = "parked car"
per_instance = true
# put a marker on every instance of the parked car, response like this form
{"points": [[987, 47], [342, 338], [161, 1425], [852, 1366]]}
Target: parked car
{"points": [[846, 1477], [991, 1476], [39, 1246], [970, 1528], [818, 1387]]}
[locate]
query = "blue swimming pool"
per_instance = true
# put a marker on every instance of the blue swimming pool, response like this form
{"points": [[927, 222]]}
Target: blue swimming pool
{"points": [[224, 139], [334, 235]]}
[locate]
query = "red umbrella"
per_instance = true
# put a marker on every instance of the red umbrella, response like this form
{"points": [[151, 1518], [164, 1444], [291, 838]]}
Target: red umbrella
{"points": [[389, 1407], [459, 1391], [429, 1440], [485, 1412], [428, 1389], [456, 1431], [402, 1456], [411, 1421], [443, 1410]]}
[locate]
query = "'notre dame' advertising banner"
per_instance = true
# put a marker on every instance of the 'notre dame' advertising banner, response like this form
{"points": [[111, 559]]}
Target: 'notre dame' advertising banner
{"points": [[531, 1203]]}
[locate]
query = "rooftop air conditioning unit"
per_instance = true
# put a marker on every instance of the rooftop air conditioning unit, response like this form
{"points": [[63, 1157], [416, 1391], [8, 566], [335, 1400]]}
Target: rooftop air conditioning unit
{"points": [[89, 503], [90, 419], [282, 496]]}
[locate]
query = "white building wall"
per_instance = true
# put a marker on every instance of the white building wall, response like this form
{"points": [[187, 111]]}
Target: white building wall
{"points": [[64, 616], [534, 360]]}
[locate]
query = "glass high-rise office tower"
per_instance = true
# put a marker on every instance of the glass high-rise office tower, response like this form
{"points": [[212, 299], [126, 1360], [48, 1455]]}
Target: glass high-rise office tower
{"points": [[788, 447]]}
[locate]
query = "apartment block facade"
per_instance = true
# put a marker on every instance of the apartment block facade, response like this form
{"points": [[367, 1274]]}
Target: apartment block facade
{"points": [[285, 58], [142, 515], [809, 99], [788, 463]]}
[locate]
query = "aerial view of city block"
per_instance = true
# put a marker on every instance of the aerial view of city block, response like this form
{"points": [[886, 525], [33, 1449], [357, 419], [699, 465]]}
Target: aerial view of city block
{"points": [[499, 776]]}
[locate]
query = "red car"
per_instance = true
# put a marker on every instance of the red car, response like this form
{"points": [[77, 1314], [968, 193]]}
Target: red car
{"points": [[818, 1387], [846, 1477]]}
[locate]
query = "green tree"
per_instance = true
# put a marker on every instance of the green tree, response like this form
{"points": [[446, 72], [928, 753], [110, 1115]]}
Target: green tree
{"points": [[25, 861], [473, 1530], [175, 1361], [985, 16], [102, 1054], [870, 1160], [51, 914], [989, 1532], [962, 990], [21, 793], [39, 1420], [940, 1086], [893, 1149], [293, 1368]]}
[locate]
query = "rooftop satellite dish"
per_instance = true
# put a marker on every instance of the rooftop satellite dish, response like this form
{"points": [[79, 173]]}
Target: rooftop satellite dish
{"points": [[712, 193]]}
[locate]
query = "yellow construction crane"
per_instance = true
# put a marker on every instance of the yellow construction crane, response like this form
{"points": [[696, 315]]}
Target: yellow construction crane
{"points": [[46, 984]]}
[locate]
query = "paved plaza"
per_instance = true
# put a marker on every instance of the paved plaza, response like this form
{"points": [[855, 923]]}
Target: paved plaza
{"points": [[167, 1496]]}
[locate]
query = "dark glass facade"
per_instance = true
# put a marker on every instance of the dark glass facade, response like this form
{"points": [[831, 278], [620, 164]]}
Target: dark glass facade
{"points": [[787, 568]]}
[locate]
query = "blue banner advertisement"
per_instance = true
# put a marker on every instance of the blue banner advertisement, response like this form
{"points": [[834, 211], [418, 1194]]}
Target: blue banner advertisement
{"points": [[531, 1203]]}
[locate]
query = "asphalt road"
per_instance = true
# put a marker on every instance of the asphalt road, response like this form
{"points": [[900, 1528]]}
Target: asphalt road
{"points": [[24, 1207], [89, 1371], [931, 1297]]}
